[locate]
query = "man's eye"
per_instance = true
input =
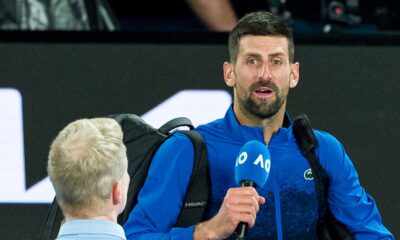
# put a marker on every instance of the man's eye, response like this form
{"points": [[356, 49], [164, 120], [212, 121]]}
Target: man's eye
{"points": [[252, 61], [276, 62]]}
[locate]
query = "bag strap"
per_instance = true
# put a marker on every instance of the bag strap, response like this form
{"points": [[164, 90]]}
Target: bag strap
{"points": [[307, 141], [52, 223], [198, 189], [328, 228], [174, 123], [166, 128]]}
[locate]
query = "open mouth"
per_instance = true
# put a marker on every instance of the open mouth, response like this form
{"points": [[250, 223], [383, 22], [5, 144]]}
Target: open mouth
{"points": [[263, 91]]}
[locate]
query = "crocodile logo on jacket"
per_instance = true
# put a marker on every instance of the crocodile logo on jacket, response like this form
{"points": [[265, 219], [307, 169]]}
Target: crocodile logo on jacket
{"points": [[308, 174]]}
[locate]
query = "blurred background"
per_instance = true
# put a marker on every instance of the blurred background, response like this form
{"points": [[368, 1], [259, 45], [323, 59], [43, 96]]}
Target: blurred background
{"points": [[323, 16], [61, 60]]}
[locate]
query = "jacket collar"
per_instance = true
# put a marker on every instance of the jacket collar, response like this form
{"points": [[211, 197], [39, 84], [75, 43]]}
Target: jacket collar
{"points": [[247, 133]]}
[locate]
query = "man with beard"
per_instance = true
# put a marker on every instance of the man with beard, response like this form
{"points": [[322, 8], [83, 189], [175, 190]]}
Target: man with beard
{"points": [[261, 72]]}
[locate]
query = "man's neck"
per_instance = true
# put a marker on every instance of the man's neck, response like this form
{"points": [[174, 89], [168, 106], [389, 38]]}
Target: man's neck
{"points": [[69, 217], [269, 125]]}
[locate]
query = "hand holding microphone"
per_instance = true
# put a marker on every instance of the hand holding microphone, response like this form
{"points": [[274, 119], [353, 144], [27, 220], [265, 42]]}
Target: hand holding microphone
{"points": [[252, 169], [241, 204]]}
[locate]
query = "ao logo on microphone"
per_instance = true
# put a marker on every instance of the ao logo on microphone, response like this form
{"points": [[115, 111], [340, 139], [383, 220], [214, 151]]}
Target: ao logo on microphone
{"points": [[265, 164]]}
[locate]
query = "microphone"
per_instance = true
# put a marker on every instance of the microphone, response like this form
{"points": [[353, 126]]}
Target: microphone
{"points": [[252, 169]]}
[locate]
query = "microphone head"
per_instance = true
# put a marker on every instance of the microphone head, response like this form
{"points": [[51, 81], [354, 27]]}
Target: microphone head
{"points": [[253, 164]]}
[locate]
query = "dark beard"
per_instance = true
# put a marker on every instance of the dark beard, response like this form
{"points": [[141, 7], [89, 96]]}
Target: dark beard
{"points": [[265, 109]]}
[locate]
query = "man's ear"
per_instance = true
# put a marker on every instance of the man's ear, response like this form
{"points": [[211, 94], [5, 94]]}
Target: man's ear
{"points": [[229, 74], [117, 193], [294, 75]]}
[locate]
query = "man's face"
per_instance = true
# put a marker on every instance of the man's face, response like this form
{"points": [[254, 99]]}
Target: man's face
{"points": [[261, 76]]}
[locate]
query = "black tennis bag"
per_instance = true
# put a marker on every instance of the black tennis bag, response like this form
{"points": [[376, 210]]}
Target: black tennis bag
{"points": [[142, 142]]}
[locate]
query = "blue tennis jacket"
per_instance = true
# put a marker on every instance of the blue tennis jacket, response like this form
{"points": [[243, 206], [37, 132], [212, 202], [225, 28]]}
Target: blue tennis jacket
{"points": [[290, 211]]}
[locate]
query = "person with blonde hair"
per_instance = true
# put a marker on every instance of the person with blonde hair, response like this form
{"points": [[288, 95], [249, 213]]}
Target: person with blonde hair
{"points": [[87, 166]]}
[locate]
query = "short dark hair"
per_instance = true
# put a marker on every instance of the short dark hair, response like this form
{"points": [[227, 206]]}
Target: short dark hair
{"points": [[259, 23]]}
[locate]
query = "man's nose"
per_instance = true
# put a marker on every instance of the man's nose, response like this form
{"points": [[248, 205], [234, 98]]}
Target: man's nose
{"points": [[264, 71]]}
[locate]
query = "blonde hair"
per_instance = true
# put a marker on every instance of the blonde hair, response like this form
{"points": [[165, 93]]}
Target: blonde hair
{"points": [[85, 160]]}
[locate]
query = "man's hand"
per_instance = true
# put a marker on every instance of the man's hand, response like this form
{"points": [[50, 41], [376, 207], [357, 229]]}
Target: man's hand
{"points": [[239, 205]]}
